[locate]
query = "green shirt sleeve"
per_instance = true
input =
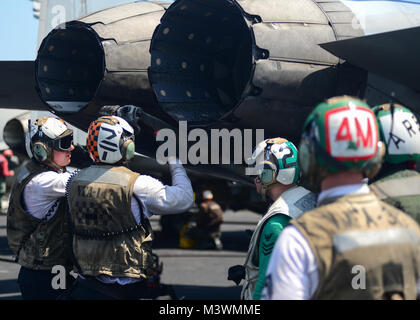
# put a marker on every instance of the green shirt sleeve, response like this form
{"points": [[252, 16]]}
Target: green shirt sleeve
{"points": [[269, 235]]}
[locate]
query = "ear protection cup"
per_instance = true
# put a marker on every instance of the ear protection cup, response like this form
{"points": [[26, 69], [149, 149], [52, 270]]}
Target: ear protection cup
{"points": [[372, 167], [307, 156], [128, 149], [312, 173], [40, 151], [306, 161]]}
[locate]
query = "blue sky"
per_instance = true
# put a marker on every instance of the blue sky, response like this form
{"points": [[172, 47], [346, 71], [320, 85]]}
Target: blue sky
{"points": [[18, 30]]}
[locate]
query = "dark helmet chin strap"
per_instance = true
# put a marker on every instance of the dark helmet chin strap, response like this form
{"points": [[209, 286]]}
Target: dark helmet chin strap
{"points": [[55, 166], [392, 119], [392, 109]]}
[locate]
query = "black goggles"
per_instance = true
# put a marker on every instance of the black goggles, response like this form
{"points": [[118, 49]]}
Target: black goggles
{"points": [[64, 143]]}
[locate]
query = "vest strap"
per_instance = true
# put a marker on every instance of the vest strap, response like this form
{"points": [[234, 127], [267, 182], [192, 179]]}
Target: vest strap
{"points": [[400, 187], [104, 235], [70, 227]]}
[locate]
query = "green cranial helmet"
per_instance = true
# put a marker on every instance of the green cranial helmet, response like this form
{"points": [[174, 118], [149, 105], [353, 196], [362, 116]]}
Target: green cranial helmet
{"points": [[399, 129], [277, 162], [340, 134]]}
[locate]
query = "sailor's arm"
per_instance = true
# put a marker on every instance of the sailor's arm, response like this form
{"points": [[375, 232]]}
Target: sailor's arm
{"points": [[165, 199], [292, 271]]}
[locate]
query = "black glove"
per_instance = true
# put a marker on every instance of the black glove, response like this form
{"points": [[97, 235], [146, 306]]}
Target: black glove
{"points": [[108, 110], [236, 273], [80, 157], [131, 114]]}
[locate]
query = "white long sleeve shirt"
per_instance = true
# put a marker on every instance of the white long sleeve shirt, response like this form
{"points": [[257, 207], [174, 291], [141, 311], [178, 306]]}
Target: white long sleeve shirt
{"points": [[159, 199], [162, 199], [292, 273], [44, 189]]}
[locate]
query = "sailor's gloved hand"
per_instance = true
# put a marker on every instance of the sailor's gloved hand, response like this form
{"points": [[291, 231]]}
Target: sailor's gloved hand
{"points": [[128, 112], [108, 110], [131, 114], [236, 273], [80, 157]]}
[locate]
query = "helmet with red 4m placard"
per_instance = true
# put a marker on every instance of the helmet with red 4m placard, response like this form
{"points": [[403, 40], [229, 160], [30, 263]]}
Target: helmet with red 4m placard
{"points": [[340, 134]]}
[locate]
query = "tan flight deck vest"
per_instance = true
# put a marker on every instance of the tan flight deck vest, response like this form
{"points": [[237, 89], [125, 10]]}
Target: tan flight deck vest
{"points": [[360, 230], [107, 240], [38, 244], [400, 189]]}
